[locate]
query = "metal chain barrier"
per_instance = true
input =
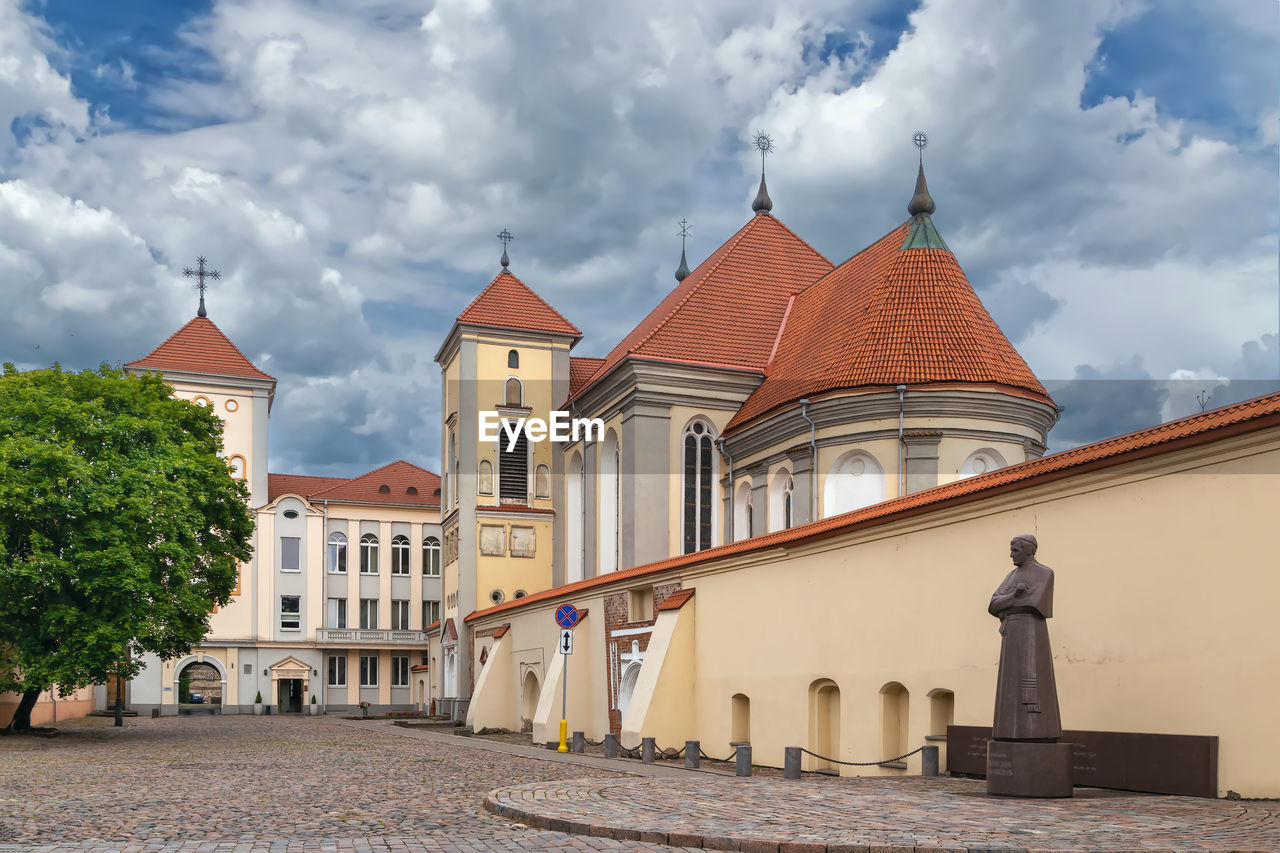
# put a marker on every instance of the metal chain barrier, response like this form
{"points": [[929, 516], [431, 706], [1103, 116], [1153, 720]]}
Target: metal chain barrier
{"points": [[732, 755], [862, 763]]}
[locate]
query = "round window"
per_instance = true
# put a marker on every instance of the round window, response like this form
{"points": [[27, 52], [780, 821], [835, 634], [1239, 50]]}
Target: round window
{"points": [[231, 405], [520, 593], [200, 400], [290, 513], [496, 596]]}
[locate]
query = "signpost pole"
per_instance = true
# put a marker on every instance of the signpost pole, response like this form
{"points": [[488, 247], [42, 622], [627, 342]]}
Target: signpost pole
{"points": [[566, 618], [564, 699]]}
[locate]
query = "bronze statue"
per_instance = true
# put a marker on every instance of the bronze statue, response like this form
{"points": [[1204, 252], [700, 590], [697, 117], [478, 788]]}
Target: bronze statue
{"points": [[1026, 695]]}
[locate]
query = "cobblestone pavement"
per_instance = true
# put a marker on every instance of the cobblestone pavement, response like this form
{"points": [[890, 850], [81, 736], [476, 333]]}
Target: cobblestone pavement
{"points": [[881, 815], [241, 783]]}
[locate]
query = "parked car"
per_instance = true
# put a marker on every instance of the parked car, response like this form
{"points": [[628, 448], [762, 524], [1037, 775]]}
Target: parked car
{"points": [[197, 698]]}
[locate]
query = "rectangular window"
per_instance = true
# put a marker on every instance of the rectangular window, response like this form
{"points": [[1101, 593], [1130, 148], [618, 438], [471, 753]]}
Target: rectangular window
{"points": [[337, 670], [640, 605], [369, 613], [290, 612], [399, 615], [368, 670], [337, 613], [290, 561], [513, 471], [430, 612], [400, 671], [248, 669]]}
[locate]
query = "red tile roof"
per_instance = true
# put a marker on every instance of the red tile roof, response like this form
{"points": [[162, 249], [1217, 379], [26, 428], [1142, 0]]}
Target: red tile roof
{"points": [[737, 296], [397, 478], [1217, 424], [580, 370], [889, 316], [200, 347], [676, 600], [298, 484], [501, 631], [508, 303]]}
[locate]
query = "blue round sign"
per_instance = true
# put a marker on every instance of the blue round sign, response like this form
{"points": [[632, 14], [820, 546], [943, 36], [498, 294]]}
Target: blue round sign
{"points": [[566, 616]]}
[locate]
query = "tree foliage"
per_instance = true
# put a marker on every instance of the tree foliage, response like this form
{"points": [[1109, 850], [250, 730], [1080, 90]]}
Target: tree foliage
{"points": [[120, 526]]}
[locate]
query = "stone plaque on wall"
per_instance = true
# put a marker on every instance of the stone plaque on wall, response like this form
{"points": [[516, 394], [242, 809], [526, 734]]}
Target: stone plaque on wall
{"points": [[493, 540], [522, 541]]}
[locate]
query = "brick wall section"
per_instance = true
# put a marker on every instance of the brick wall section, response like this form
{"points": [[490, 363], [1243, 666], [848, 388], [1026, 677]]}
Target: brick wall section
{"points": [[616, 617]]}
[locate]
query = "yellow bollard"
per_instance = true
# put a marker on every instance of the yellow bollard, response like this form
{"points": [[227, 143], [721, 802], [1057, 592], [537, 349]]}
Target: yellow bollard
{"points": [[564, 728]]}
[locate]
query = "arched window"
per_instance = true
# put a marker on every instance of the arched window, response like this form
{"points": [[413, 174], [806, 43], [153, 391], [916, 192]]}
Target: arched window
{"points": [[514, 392], [698, 476], [513, 360], [981, 461], [484, 480], [399, 555], [742, 512], [542, 482], [337, 553], [236, 463], [431, 557], [609, 498], [574, 521], [780, 500], [368, 554], [855, 481]]}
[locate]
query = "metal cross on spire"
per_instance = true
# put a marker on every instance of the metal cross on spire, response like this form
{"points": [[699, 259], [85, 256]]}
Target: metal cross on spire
{"points": [[200, 274], [920, 140], [682, 271], [684, 232], [505, 236], [764, 144]]}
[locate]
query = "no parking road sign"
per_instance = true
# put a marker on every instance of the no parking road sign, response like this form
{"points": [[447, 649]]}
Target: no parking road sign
{"points": [[566, 616]]}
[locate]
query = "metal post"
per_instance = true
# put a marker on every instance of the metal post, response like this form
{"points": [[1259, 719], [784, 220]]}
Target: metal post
{"points": [[791, 763], [929, 761], [579, 742], [692, 754], [647, 747], [744, 760], [564, 701], [119, 699], [610, 745]]}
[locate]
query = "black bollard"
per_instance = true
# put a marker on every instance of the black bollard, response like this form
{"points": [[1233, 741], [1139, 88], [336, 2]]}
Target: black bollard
{"points": [[744, 760], [579, 742], [610, 745], [929, 761], [791, 763], [647, 748], [692, 754]]}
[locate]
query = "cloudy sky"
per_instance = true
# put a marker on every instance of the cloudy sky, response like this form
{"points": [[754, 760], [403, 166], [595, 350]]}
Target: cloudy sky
{"points": [[1105, 171]]}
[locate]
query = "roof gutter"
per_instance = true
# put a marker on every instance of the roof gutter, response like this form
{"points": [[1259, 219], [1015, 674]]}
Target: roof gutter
{"points": [[813, 446]]}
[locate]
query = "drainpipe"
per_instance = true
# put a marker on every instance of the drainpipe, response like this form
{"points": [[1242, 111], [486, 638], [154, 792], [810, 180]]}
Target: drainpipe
{"points": [[813, 444], [902, 447], [324, 545], [582, 499], [732, 510]]}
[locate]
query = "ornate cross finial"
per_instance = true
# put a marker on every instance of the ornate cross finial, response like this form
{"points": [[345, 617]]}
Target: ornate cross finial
{"points": [[200, 274], [682, 272], [505, 236], [764, 144], [920, 140], [684, 231]]}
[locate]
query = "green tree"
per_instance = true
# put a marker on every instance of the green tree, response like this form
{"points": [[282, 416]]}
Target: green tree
{"points": [[120, 527]]}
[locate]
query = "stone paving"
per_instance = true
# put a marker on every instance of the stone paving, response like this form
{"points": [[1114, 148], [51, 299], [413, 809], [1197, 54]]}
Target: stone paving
{"points": [[241, 783], [872, 814]]}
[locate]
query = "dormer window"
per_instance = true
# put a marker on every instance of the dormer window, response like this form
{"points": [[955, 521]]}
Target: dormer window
{"points": [[384, 489]]}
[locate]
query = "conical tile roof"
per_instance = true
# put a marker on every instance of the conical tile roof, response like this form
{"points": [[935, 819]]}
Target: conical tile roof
{"points": [[200, 347]]}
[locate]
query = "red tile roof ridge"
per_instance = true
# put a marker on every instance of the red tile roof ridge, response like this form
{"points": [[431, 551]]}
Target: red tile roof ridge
{"points": [[565, 328], [256, 372], [279, 484], [777, 339], [1247, 416], [432, 479]]}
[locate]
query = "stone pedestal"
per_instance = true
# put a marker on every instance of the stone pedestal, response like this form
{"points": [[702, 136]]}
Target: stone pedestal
{"points": [[1028, 769]]}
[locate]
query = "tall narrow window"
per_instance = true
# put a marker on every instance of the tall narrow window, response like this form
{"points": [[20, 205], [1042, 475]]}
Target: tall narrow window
{"points": [[337, 615], [399, 615], [337, 670], [290, 549], [514, 393], [484, 478], [430, 612], [513, 470], [369, 613], [399, 555], [236, 463], [786, 502], [368, 670], [290, 613], [699, 465], [542, 481], [399, 670], [513, 359], [431, 557], [368, 554], [337, 553]]}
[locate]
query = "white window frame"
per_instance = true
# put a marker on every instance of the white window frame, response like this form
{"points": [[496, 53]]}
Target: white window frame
{"points": [[431, 557], [400, 614], [337, 553], [291, 616], [368, 607], [430, 612], [369, 554], [337, 670], [336, 613], [399, 670], [400, 555], [368, 670], [297, 544]]}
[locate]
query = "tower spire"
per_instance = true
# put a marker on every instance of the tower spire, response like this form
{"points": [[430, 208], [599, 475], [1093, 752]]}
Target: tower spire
{"points": [[921, 202], [505, 236], [200, 274], [762, 204], [682, 272]]}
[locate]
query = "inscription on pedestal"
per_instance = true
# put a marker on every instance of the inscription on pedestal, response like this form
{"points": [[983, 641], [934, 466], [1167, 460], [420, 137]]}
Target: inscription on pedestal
{"points": [[1028, 769]]}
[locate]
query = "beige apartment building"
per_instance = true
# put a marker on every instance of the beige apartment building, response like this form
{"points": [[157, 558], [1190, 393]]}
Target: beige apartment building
{"points": [[345, 573]]}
